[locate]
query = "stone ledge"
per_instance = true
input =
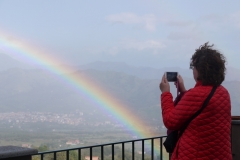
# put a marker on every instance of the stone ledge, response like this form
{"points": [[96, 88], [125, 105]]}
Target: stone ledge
{"points": [[14, 151]]}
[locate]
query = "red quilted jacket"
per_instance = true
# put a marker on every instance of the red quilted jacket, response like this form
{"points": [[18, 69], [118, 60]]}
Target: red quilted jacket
{"points": [[207, 137]]}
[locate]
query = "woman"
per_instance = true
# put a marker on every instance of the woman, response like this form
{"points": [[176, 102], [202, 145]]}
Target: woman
{"points": [[207, 137]]}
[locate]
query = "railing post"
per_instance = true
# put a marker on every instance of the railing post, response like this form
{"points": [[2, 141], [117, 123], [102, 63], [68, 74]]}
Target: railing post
{"points": [[133, 150], [16, 153], [235, 137], [123, 152]]}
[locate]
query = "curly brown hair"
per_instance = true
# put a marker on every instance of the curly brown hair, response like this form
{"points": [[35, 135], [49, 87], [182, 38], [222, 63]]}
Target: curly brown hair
{"points": [[210, 64]]}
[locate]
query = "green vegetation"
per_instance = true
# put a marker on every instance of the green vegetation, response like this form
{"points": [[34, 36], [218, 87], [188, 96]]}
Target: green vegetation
{"points": [[57, 139]]}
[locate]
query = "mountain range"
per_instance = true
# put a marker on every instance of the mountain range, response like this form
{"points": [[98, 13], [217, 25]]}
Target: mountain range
{"points": [[24, 88]]}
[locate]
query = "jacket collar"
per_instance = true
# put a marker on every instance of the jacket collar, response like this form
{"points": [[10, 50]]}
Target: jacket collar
{"points": [[198, 83]]}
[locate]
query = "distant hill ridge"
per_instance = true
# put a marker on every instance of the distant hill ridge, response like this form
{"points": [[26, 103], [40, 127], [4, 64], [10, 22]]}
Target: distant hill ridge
{"points": [[7, 62], [232, 74], [37, 90]]}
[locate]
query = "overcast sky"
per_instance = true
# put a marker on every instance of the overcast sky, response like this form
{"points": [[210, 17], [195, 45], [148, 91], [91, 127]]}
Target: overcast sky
{"points": [[152, 33]]}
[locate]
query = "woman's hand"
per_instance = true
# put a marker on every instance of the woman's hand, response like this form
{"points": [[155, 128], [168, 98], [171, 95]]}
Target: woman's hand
{"points": [[180, 84], [164, 85]]}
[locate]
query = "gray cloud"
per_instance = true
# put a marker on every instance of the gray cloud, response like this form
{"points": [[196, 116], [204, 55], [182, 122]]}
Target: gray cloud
{"points": [[179, 23], [149, 21]]}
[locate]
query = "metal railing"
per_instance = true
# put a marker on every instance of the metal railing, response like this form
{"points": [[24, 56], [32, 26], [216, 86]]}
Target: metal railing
{"points": [[148, 148]]}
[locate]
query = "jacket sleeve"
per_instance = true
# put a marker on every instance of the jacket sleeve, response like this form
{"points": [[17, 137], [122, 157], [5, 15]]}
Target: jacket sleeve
{"points": [[175, 117]]}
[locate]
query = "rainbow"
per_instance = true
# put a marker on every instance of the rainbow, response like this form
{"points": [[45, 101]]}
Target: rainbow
{"points": [[82, 84], [24, 51]]}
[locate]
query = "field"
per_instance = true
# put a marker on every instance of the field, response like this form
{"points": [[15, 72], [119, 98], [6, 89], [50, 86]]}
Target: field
{"points": [[57, 139]]}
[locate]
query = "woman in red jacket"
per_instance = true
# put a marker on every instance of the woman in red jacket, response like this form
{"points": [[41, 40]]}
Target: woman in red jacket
{"points": [[207, 137]]}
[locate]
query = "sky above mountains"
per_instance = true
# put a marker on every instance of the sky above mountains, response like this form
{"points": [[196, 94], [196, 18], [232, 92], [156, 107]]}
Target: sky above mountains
{"points": [[151, 33]]}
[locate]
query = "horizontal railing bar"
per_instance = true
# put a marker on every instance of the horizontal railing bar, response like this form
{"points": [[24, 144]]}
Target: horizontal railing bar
{"points": [[99, 145]]}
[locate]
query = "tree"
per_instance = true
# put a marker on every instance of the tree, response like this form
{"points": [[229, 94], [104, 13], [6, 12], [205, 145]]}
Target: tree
{"points": [[43, 148]]}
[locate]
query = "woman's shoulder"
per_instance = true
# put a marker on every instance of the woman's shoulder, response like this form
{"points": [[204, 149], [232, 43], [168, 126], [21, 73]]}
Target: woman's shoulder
{"points": [[222, 88], [205, 90], [222, 91], [194, 94], [198, 90]]}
